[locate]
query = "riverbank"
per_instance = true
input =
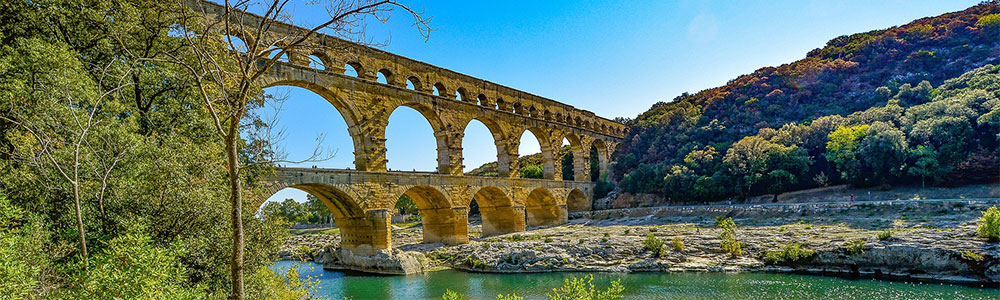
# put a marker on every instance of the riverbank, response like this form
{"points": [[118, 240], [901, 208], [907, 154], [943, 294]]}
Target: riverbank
{"points": [[915, 240]]}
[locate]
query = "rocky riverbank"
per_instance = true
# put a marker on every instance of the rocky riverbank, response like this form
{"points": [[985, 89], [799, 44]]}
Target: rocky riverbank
{"points": [[896, 242]]}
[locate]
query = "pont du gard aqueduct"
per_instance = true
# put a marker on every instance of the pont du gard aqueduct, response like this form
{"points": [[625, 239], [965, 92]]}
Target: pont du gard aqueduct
{"points": [[362, 199]]}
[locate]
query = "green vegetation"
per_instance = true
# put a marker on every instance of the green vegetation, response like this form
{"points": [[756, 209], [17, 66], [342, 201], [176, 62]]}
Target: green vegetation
{"points": [[677, 244], [875, 108], [789, 255], [885, 234], [989, 224], [855, 247], [729, 243], [972, 256], [313, 211], [452, 295], [653, 244]]}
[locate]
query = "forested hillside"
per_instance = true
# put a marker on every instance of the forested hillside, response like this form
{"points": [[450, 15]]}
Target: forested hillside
{"points": [[872, 108]]}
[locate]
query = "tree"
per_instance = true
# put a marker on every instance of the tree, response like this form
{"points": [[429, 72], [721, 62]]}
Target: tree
{"points": [[226, 77], [882, 152], [842, 148], [925, 164], [754, 160]]}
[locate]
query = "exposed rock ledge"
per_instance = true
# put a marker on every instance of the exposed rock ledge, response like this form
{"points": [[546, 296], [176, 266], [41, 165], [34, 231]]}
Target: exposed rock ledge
{"points": [[929, 243], [394, 262]]}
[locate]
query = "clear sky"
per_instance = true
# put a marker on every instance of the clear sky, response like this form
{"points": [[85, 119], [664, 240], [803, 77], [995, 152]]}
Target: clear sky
{"points": [[615, 58]]}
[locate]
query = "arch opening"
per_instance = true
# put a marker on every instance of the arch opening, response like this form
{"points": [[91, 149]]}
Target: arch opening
{"points": [[479, 150], [566, 159], [440, 221], [327, 144], [461, 94], [541, 209], [357, 233], [316, 62], [438, 89], [411, 141], [577, 201], [483, 101], [352, 70], [536, 156], [598, 160], [497, 212], [383, 76], [573, 159], [412, 83]]}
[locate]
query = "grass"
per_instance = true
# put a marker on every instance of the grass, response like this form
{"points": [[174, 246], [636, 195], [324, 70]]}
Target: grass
{"points": [[317, 230], [885, 235]]}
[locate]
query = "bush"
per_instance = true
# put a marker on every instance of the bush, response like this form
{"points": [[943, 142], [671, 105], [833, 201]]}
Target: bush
{"points": [[23, 255], [729, 243], [972, 256], [885, 235], [583, 289], [677, 244], [452, 295], [790, 254], [653, 244], [855, 247], [989, 224], [509, 297]]}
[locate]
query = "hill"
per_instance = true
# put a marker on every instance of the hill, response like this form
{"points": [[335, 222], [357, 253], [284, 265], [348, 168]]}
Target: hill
{"points": [[876, 79]]}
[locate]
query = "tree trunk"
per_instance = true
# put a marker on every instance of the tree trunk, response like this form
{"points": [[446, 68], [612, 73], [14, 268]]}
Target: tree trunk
{"points": [[236, 199], [79, 224]]}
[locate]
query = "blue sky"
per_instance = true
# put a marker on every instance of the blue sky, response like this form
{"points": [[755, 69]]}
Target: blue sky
{"points": [[615, 58]]}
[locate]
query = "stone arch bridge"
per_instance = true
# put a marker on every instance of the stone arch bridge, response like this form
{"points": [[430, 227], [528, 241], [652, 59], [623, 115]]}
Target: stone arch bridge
{"points": [[363, 199]]}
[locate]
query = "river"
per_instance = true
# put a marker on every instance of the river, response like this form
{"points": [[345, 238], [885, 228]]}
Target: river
{"points": [[337, 285]]}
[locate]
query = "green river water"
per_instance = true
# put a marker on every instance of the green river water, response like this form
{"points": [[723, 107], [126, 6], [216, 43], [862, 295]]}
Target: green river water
{"points": [[336, 285]]}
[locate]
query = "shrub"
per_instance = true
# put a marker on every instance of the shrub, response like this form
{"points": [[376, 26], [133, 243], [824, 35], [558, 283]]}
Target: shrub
{"points": [[677, 244], [627, 231], [509, 297], [452, 295], [653, 229], [989, 224], [604, 240], [729, 243], [885, 235], [790, 254], [972, 256], [855, 247], [548, 240], [653, 244], [583, 289]]}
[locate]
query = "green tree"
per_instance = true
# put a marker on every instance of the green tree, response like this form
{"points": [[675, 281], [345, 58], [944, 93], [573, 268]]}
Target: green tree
{"points": [[925, 164], [531, 171], [883, 152], [842, 150]]}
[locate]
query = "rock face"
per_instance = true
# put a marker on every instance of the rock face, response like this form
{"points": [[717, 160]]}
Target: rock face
{"points": [[394, 262]]}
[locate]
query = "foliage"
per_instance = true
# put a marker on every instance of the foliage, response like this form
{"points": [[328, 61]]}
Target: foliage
{"points": [[653, 244], [789, 254], [927, 83], [855, 247], [677, 244], [452, 295], [509, 297], [531, 171], [729, 244], [582, 288], [885, 234], [989, 224], [972, 256]]}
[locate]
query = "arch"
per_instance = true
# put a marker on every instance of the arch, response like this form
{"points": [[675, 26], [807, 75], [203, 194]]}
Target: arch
{"points": [[518, 108], [439, 90], [357, 234], [353, 69], [483, 101], [346, 110], [576, 201], [498, 213], [541, 209], [600, 159], [384, 76], [462, 95], [576, 151], [495, 134], [440, 221], [413, 83], [548, 165], [318, 61], [502, 105], [437, 127]]}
